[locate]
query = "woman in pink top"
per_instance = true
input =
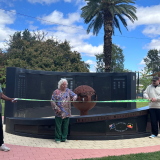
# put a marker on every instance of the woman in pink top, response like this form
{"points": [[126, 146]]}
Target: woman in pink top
{"points": [[62, 109]]}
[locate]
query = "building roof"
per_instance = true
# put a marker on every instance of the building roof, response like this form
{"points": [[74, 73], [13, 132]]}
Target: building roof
{"points": [[155, 74]]}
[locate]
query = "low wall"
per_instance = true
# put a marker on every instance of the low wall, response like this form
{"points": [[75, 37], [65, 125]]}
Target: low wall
{"points": [[118, 125]]}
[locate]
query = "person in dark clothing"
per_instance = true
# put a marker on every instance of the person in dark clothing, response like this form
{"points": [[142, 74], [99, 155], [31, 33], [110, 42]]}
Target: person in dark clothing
{"points": [[153, 92], [2, 96]]}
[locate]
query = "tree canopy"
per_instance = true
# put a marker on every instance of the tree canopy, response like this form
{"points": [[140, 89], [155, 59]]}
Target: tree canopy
{"points": [[117, 63], [144, 79], [97, 13], [32, 51], [152, 60], [25, 50]]}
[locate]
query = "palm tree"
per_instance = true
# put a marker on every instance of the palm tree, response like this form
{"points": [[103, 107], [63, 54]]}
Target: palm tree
{"points": [[107, 12]]}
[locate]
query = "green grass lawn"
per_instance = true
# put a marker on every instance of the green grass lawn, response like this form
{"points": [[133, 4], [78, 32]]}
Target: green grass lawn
{"points": [[140, 156], [141, 104]]}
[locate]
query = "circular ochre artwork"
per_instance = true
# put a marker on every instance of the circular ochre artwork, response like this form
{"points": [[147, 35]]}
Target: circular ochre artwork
{"points": [[85, 94]]}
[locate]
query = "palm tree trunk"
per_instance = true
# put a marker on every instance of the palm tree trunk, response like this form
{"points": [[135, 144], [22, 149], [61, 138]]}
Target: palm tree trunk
{"points": [[107, 49]]}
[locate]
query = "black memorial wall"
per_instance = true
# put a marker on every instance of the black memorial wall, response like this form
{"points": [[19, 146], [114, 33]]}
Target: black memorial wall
{"points": [[32, 84]]}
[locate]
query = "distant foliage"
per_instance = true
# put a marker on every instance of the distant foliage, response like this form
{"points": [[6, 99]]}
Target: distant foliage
{"points": [[117, 61], [144, 79], [2, 69], [153, 60], [34, 51]]}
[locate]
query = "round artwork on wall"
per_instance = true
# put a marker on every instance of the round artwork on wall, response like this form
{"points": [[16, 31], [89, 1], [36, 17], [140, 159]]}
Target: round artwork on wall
{"points": [[85, 94]]}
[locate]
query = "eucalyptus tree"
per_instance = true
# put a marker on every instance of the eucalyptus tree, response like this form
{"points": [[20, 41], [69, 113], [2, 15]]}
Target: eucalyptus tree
{"points": [[107, 13], [152, 60], [117, 60]]}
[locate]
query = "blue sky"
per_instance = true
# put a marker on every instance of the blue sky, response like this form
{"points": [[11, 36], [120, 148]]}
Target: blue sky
{"points": [[67, 12]]}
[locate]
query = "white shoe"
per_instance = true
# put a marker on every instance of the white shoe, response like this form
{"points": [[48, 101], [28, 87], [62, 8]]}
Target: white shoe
{"points": [[67, 141], [152, 136], [4, 148], [58, 142]]}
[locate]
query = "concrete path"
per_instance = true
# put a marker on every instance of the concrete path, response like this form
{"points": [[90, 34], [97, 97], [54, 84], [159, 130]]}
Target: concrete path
{"points": [[25, 148]]}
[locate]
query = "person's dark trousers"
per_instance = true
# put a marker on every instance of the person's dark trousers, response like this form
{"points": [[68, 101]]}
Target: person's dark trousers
{"points": [[61, 128], [1, 130], [155, 118]]}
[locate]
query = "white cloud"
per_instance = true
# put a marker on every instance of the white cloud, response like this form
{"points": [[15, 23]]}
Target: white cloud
{"points": [[152, 30], [81, 3], [88, 49], [142, 62], [123, 47], [5, 32], [154, 44], [58, 17], [76, 38], [30, 22], [141, 66], [2, 44], [75, 34], [67, 0], [93, 68], [32, 27], [146, 16], [7, 2], [149, 17], [90, 62], [5, 19], [53, 1], [4, 35], [72, 30], [43, 1]]}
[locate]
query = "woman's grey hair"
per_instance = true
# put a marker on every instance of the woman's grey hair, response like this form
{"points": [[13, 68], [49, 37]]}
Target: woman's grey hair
{"points": [[61, 82]]}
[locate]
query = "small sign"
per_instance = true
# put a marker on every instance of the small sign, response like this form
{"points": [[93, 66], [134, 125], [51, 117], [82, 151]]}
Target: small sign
{"points": [[120, 126]]}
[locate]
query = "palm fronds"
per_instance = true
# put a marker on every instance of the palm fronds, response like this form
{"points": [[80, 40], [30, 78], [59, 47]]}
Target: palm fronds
{"points": [[93, 13]]}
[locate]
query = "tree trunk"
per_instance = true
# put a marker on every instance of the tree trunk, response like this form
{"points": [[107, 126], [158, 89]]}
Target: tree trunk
{"points": [[107, 49]]}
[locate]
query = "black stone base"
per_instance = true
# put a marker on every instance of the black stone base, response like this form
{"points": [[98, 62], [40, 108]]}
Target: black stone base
{"points": [[133, 123], [140, 135]]}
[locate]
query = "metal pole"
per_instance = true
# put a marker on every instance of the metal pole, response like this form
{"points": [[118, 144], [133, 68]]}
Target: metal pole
{"points": [[142, 93], [138, 81], [137, 86]]}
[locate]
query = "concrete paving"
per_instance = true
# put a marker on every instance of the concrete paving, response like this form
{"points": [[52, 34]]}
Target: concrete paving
{"points": [[28, 148], [81, 144]]}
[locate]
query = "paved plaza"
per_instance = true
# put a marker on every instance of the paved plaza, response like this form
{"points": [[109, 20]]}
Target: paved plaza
{"points": [[27, 148]]}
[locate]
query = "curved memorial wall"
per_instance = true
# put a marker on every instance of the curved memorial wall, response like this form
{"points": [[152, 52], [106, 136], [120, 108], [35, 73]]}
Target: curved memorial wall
{"points": [[33, 84], [105, 120], [133, 123]]}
